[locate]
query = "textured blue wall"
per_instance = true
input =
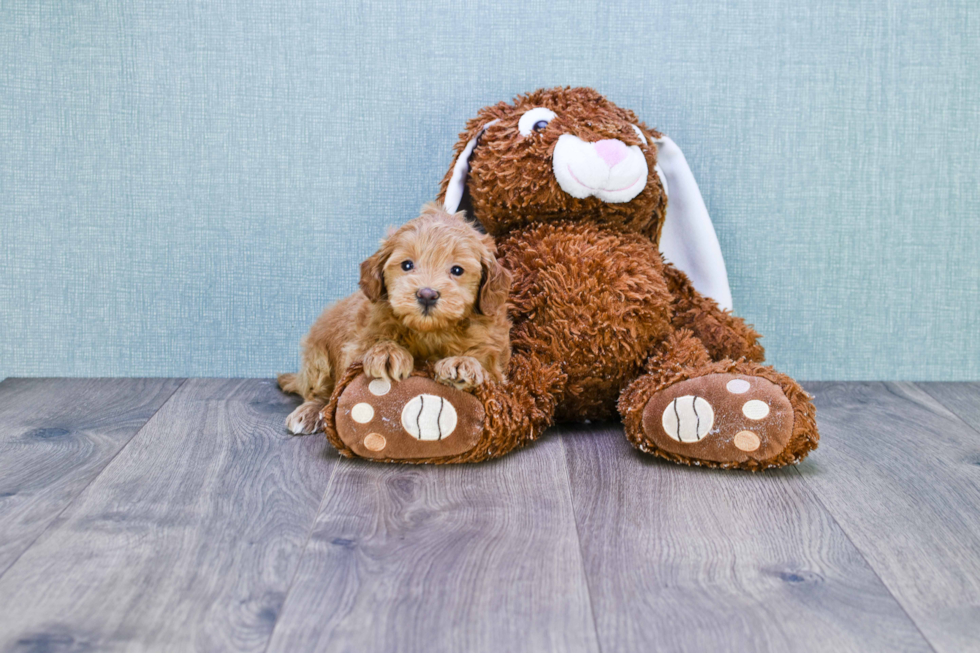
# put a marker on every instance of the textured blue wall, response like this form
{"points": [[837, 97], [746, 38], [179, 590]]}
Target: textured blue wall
{"points": [[184, 185]]}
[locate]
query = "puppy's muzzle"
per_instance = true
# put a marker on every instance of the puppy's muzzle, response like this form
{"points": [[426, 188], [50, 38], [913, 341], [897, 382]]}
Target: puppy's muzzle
{"points": [[427, 298]]}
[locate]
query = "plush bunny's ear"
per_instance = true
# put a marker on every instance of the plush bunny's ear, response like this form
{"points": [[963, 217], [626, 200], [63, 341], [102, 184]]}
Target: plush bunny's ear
{"points": [[457, 183], [688, 239]]}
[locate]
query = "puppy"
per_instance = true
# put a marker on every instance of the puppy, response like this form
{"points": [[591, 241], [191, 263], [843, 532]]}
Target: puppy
{"points": [[434, 292]]}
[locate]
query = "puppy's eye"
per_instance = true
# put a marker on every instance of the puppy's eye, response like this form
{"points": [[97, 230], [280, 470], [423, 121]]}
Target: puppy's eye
{"points": [[456, 271], [408, 266], [535, 119]]}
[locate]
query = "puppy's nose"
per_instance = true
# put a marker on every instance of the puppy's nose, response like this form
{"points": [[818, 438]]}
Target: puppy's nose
{"points": [[611, 150], [427, 297]]}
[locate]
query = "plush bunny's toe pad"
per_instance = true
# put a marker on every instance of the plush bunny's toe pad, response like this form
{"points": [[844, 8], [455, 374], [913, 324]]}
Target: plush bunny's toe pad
{"points": [[722, 418], [407, 420]]}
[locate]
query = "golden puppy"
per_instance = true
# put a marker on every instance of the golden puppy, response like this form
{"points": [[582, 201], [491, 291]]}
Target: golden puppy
{"points": [[433, 292]]}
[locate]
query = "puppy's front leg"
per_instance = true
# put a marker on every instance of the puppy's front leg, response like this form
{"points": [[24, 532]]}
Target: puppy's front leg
{"points": [[389, 361], [306, 418], [462, 372]]}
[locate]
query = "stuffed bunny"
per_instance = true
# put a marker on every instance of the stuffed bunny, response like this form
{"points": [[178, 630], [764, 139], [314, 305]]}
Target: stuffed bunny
{"points": [[575, 191]]}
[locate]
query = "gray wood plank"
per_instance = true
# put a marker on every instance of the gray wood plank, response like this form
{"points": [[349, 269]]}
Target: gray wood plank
{"points": [[189, 538], [690, 559], [899, 473], [56, 435], [962, 399], [460, 558]]}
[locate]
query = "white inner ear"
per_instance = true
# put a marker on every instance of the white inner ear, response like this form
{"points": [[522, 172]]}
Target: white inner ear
{"points": [[688, 239], [657, 168], [663, 179], [526, 124], [457, 183], [639, 133]]}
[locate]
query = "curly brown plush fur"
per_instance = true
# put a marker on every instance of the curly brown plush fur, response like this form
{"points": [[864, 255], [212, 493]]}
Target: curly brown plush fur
{"points": [[601, 323]]}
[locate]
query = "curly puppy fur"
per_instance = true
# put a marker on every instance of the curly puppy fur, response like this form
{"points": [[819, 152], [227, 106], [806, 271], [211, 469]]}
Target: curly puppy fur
{"points": [[433, 293], [601, 322]]}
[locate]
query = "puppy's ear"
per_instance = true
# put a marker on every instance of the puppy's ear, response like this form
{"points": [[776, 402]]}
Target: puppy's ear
{"points": [[494, 286], [372, 281]]}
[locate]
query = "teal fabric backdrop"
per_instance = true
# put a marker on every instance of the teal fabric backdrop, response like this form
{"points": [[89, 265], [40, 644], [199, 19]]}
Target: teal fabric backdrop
{"points": [[184, 185]]}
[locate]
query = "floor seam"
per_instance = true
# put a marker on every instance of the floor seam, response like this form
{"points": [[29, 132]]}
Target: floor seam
{"points": [[578, 540], [833, 518], [306, 544], [108, 462], [922, 386]]}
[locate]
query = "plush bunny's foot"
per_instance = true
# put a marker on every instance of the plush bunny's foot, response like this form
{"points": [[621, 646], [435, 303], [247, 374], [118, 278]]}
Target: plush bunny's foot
{"points": [[720, 417], [735, 418], [413, 420], [420, 420]]}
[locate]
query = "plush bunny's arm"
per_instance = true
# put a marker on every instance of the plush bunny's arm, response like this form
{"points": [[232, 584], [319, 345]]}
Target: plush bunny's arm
{"points": [[688, 239], [723, 334]]}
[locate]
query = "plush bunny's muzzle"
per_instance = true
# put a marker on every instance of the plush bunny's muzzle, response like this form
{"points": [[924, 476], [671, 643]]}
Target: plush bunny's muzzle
{"points": [[608, 169]]}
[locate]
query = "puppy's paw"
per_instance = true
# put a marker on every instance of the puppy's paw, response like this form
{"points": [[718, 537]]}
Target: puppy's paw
{"points": [[388, 361], [305, 419], [462, 372]]}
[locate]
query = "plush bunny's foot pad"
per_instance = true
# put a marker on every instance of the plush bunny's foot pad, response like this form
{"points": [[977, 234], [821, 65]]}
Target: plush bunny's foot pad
{"points": [[407, 420], [723, 418]]}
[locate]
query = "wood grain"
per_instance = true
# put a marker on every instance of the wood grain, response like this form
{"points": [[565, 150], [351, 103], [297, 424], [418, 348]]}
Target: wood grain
{"points": [[461, 558], [900, 473], [962, 399], [189, 538], [202, 532], [688, 559], [56, 435]]}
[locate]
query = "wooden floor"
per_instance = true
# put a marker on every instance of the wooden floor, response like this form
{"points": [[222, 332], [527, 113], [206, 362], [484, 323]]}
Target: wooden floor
{"points": [[178, 515]]}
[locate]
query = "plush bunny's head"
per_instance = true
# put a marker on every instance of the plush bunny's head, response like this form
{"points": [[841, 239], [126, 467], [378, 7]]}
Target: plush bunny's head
{"points": [[560, 152], [571, 154]]}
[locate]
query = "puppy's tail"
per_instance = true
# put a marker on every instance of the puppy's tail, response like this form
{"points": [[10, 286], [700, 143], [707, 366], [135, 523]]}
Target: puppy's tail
{"points": [[287, 382]]}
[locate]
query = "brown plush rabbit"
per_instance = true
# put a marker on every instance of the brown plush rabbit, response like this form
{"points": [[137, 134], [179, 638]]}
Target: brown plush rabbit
{"points": [[568, 184]]}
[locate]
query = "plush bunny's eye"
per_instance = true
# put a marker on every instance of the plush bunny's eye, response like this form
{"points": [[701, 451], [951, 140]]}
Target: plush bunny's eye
{"points": [[535, 120], [639, 133]]}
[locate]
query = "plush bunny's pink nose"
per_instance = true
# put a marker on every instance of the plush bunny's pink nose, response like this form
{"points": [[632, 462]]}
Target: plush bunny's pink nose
{"points": [[611, 151]]}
